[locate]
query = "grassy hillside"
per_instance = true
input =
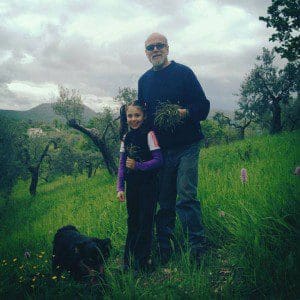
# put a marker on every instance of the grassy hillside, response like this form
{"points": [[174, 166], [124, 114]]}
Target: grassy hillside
{"points": [[252, 226]]}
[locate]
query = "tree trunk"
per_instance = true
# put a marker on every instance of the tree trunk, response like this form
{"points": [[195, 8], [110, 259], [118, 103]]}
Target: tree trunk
{"points": [[206, 143], [227, 139], [34, 179], [95, 171], [108, 158], [34, 170], [242, 133], [90, 170], [276, 118], [100, 143]]}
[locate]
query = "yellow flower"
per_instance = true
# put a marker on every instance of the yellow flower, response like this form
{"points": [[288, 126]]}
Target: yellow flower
{"points": [[33, 279], [54, 277], [34, 267], [46, 261], [21, 267], [63, 277], [43, 252], [15, 259], [40, 256], [21, 277], [4, 261]]}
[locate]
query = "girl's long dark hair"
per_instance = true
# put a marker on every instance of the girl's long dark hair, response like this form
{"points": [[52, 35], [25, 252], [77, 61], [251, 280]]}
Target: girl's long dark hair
{"points": [[123, 119], [123, 122]]}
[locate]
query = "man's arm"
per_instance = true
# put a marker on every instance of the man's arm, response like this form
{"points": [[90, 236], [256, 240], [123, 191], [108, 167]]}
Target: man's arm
{"points": [[197, 104]]}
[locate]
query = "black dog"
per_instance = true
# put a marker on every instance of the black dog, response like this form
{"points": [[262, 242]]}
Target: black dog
{"points": [[83, 256]]}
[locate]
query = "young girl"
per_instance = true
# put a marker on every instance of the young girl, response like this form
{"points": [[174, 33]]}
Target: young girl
{"points": [[140, 158]]}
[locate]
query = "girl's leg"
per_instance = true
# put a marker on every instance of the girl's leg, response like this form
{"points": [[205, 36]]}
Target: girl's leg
{"points": [[147, 200], [132, 205]]}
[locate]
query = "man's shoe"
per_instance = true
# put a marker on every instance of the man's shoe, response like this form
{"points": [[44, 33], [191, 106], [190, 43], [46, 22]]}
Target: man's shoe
{"points": [[198, 253], [125, 268], [148, 267]]}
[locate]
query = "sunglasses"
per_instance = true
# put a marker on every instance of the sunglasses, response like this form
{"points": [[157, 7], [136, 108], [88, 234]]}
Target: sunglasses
{"points": [[158, 46]]}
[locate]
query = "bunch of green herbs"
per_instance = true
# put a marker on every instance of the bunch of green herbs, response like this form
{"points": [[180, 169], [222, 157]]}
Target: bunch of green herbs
{"points": [[167, 117], [133, 152]]}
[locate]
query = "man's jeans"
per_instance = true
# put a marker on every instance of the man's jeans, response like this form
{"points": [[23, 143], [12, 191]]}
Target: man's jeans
{"points": [[179, 176]]}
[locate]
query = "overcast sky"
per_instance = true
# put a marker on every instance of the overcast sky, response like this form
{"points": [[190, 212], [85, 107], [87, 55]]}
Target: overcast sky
{"points": [[98, 46]]}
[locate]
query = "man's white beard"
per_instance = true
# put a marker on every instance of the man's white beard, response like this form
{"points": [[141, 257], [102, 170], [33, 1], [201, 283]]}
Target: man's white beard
{"points": [[157, 64]]}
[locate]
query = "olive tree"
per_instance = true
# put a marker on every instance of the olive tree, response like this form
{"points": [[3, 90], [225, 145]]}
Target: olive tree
{"points": [[69, 105]]}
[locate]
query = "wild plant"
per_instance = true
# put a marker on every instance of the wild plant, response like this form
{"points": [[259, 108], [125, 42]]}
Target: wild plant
{"points": [[167, 117], [133, 152]]}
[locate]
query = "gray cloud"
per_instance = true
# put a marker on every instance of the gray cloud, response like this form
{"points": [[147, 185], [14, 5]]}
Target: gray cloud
{"points": [[166, 7], [255, 7], [10, 100], [54, 55]]}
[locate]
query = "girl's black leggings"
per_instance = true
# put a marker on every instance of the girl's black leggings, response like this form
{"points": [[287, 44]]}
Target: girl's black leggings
{"points": [[141, 199]]}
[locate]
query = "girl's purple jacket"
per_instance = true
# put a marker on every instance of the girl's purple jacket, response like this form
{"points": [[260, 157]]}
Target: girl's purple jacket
{"points": [[155, 162]]}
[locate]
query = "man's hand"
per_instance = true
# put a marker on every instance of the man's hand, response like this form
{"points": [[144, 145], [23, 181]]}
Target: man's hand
{"points": [[130, 163], [183, 112], [121, 196]]}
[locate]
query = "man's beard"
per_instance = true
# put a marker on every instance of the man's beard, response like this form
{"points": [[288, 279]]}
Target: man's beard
{"points": [[158, 64]]}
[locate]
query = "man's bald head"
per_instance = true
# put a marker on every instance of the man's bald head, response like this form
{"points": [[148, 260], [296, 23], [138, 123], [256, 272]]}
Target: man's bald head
{"points": [[155, 36]]}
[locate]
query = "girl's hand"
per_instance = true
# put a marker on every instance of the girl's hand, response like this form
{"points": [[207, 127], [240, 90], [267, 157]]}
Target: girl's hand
{"points": [[130, 163], [121, 196], [183, 112]]}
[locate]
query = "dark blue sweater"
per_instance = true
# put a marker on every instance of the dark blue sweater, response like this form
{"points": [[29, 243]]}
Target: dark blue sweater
{"points": [[177, 84]]}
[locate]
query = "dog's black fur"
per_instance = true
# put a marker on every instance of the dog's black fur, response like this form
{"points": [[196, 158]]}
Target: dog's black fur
{"points": [[83, 256]]}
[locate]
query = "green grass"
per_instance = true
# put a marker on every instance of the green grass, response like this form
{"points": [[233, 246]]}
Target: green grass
{"points": [[253, 227]]}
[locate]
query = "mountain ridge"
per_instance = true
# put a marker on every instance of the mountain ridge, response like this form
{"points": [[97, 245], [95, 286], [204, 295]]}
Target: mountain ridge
{"points": [[44, 112]]}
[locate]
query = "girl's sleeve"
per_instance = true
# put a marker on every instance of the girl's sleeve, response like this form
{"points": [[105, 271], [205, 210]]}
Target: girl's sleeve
{"points": [[157, 159], [121, 170]]}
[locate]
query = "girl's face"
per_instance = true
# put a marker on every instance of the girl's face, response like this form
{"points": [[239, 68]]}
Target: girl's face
{"points": [[135, 116]]}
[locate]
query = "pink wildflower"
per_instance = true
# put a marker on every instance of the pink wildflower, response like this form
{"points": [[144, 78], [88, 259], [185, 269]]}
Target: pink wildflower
{"points": [[297, 171], [27, 254], [244, 176], [222, 213]]}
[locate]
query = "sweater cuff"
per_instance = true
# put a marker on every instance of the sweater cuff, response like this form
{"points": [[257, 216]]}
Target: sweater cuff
{"points": [[200, 112]]}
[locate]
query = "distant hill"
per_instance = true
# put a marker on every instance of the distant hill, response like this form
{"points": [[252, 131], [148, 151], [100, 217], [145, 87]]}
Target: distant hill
{"points": [[42, 112]]}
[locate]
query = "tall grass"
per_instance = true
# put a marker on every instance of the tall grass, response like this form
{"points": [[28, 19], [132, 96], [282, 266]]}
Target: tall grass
{"points": [[251, 225]]}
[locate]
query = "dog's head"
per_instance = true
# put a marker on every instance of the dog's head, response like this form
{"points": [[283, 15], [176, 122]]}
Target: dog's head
{"points": [[92, 253]]}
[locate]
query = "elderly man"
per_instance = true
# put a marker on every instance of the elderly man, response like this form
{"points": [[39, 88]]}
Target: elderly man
{"points": [[176, 83]]}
